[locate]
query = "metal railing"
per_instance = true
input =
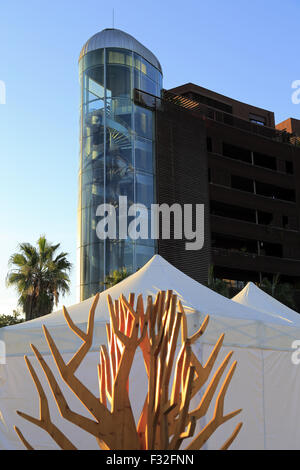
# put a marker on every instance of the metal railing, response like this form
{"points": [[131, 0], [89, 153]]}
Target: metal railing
{"points": [[231, 120], [150, 101]]}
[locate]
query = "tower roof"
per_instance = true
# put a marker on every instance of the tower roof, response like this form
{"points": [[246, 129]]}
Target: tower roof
{"points": [[116, 38]]}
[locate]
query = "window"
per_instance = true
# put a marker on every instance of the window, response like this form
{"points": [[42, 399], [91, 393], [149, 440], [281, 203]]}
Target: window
{"points": [[275, 192], [271, 249], [144, 189], [209, 144], [144, 154], [265, 161], [243, 184], [234, 244], [233, 212], [289, 167], [264, 218], [143, 122], [119, 57], [238, 153], [118, 81], [285, 221], [209, 175], [260, 120]]}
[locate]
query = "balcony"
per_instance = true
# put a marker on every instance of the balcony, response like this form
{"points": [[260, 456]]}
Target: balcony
{"points": [[253, 170], [250, 199], [262, 231], [229, 119], [254, 262], [152, 102]]}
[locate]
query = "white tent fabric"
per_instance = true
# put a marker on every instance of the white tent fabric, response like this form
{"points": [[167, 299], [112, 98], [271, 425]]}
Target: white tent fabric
{"points": [[243, 325], [261, 341], [254, 297]]}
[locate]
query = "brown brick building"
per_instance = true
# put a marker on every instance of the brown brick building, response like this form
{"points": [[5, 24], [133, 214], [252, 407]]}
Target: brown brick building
{"points": [[230, 156]]}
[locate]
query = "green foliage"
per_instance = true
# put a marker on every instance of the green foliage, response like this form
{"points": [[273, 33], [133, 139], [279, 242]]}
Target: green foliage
{"points": [[297, 141], [217, 285], [283, 292], [40, 275], [8, 320], [115, 277]]}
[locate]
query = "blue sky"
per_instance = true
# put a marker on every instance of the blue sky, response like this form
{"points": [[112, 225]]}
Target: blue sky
{"points": [[246, 50]]}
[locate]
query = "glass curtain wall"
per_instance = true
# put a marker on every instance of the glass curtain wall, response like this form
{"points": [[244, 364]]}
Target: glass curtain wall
{"points": [[117, 158]]}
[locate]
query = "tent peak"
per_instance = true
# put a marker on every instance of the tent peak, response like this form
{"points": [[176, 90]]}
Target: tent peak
{"points": [[254, 297], [156, 259]]}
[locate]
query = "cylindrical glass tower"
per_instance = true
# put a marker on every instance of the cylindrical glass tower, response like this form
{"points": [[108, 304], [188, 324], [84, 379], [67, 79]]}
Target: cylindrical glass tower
{"points": [[116, 150]]}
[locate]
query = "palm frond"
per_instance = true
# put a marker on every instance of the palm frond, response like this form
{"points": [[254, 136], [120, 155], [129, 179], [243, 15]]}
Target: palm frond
{"points": [[39, 277]]}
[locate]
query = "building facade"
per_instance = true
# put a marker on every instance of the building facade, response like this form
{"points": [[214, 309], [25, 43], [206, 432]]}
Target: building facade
{"points": [[205, 149], [117, 151], [254, 189]]}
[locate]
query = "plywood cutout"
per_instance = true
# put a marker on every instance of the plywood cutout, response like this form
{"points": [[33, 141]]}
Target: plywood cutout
{"points": [[174, 378]]}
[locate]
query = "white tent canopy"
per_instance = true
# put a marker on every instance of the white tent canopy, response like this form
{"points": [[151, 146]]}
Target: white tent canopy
{"points": [[243, 325], [253, 297], [261, 340]]}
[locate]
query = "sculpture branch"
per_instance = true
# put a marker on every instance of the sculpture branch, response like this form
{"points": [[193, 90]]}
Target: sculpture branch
{"points": [[174, 378], [44, 422]]}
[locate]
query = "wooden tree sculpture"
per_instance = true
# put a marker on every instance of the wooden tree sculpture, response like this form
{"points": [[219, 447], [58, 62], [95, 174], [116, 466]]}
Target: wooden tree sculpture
{"points": [[166, 419]]}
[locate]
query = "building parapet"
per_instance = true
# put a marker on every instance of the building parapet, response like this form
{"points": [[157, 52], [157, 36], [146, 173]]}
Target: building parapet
{"points": [[150, 101]]}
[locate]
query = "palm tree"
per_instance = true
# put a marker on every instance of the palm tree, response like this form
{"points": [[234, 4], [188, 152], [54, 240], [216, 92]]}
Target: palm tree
{"points": [[115, 277], [40, 275], [217, 285], [283, 292]]}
